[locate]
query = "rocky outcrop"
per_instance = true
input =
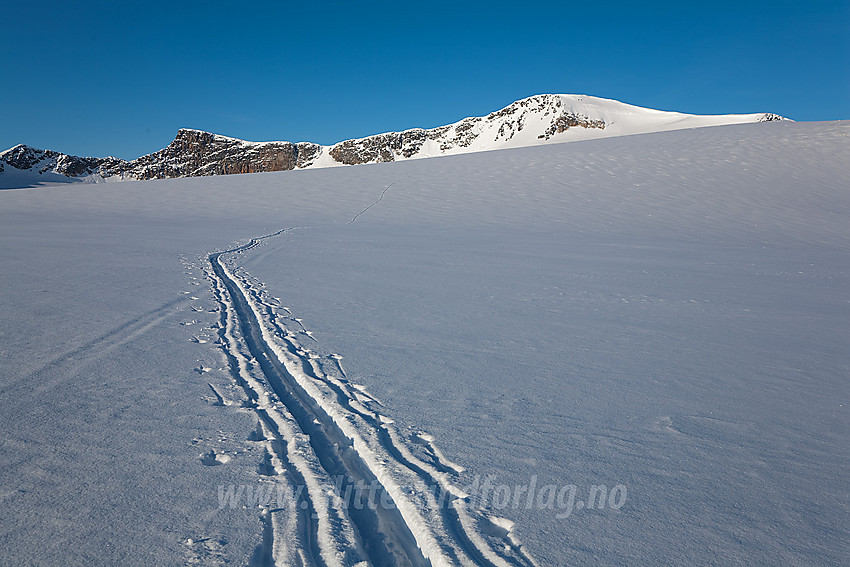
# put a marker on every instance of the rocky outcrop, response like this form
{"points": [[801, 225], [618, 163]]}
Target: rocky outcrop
{"points": [[384, 147], [194, 153], [501, 126], [513, 118], [374, 149]]}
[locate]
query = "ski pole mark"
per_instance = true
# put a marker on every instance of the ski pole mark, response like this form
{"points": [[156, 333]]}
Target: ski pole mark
{"points": [[381, 198], [102, 345]]}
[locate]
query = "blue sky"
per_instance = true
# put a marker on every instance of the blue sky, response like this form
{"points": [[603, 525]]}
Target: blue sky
{"points": [[119, 78]]}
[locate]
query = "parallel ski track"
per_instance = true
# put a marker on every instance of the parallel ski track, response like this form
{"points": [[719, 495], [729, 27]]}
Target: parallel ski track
{"points": [[395, 448], [303, 507], [386, 536], [393, 542]]}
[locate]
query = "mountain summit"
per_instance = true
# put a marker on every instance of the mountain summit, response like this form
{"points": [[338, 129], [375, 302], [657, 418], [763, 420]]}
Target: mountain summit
{"points": [[531, 121]]}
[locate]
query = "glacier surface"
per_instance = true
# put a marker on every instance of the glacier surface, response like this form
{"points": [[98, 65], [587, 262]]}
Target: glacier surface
{"points": [[663, 315]]}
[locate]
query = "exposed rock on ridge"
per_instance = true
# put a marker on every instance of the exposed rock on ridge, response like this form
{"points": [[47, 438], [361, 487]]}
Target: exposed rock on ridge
{"points": [[194, 153], [506, 123], [43, 161]]}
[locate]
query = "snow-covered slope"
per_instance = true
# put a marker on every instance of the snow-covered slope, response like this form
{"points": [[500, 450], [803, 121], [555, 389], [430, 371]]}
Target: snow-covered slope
{"points": [[532, 121], [188, 366], [528, 122]]}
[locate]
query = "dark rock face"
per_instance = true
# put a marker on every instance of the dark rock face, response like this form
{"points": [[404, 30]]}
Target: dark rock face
{"points": [[306, 154], [25, 157], [566, 121], [194, 153]]}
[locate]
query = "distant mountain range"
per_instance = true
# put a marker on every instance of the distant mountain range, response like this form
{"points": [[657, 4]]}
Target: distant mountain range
{"points": [[539, 119]]}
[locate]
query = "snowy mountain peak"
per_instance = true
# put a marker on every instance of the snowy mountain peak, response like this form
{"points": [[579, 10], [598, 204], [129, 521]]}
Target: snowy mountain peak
{"points": [[41, 162], [538, 119]]}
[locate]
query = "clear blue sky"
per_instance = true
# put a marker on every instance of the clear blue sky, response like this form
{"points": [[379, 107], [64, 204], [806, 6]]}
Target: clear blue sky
{"points": [[98, 78]]}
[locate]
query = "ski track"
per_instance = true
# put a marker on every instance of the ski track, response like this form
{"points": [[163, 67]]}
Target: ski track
{"points": [[318, 426], [381, 198], [101, 346], [278, 432]]}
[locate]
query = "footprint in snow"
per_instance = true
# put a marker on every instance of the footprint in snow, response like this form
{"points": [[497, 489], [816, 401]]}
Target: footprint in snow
{"points": [[205, 551], [219, 399], [212, 459], [266, 466], [258, 433]]}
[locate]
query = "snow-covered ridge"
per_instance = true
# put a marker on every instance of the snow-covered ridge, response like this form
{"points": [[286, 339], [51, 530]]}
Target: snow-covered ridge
{"points": [[531, 121]]}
